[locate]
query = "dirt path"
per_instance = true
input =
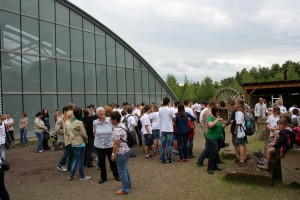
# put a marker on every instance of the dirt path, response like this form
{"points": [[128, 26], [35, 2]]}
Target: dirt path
{"points": [[34, 176]]}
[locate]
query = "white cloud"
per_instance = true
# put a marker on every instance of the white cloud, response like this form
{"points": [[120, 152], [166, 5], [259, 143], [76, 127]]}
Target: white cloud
{"points": [[199, 38]]}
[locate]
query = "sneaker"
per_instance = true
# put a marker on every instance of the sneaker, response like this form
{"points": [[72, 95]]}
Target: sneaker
{"points": [[85, 178], [70, 178], [170, 161], [40, 151], [265, 167], [61, 168], [120, 192]]}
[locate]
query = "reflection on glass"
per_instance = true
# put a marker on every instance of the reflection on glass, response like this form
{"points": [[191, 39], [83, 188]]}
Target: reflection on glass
{"points": [[48, 75], [101, 78], [120, 55], [129, 59], [76, 20], [121, 80], [90, 77], [10, 5], [76, 44], [145, 82], [62, 14], [47, 9], [111, 50], [11, 72], [89, 47], [30, 7], [157, 86], [10, 30], [102, 100], [100, 49], [88, 26], [130, 80], [111, 79], [12, 104], [78, 100], [30, 35], [63, 76], [32, 105], [151, 83], [47, 38], [31, 73], [62, 41], [77, 77], [138, 81], [137, 63]]}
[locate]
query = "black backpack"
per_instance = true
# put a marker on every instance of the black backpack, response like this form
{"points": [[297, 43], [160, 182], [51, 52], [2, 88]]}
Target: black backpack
{"points": [[249, 125], [130, 140]]}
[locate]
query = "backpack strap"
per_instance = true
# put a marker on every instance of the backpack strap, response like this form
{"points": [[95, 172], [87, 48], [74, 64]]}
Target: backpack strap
{"points": [[125, 131]]}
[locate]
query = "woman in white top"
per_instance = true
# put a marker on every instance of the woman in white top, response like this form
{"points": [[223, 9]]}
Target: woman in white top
{"points": [[155, 125], [2, 138], [23, 129]]}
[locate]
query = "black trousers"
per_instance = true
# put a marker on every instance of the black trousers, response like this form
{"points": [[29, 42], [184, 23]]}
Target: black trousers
{"points": [[139, 134], [102, 153], [45, 141], [88, 158], [3, 192]]}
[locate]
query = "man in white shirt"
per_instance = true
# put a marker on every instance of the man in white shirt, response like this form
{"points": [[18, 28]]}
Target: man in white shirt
{"points": [[137, 114], [167, 116], [260, 109], [131, 127]]}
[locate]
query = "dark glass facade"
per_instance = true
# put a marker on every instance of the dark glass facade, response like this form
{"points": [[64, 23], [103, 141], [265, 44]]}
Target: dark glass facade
{"points": [[53, 53]]}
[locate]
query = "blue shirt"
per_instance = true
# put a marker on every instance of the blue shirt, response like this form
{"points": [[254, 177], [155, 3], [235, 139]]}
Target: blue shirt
{"points": [[182, 124], [103, 134]]}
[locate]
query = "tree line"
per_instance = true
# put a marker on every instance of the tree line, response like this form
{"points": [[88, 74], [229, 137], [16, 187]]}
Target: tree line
{"points": [[207, 88]]}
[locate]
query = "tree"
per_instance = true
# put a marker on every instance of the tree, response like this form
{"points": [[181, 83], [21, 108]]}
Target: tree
{"points": [[206, 90], [172, 83]]}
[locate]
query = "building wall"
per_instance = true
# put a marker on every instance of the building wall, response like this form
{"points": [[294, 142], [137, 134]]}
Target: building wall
{"points": [[53, 53]]}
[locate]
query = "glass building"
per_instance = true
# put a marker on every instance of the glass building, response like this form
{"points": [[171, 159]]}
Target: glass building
{"points": [[53, 53]]}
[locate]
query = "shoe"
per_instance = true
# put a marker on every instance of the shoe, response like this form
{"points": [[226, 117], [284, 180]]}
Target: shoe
{"points": [[102, 180], [85, 178], [118, 178], [210, 171], [61, 168], [70, 178], [170, 161], [163, 161], [40, 151], [120, 192], [265, 167]]}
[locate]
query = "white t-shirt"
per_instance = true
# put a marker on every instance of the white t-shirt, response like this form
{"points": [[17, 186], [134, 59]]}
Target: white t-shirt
{"points": [[10, 121], [189, 110], [145, 120], [166, 116], [155, 125], [282, 109], [201, 114], [2, 134], [239, 118], [272, 121], [137, 114], [130, 121]]}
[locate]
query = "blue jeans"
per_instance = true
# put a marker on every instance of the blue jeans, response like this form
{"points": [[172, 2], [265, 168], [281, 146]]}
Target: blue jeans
{"points": [[183, 145], [78, 160], [166, 138], [23, 136], [122, 161], [63, 160], [39, 145]]}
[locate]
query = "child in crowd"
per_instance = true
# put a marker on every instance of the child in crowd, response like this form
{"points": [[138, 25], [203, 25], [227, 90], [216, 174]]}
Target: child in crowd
{"points": [[283, 143], [272, 122], [147, 131], [155, 126]]}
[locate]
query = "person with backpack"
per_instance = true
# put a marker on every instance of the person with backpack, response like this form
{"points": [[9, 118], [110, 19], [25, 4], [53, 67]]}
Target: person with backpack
{"points": [[130, 125], [103, 142]]}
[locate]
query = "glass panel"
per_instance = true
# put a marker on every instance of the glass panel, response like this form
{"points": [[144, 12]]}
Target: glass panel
{"points": [[129, 59], [10, 29], [145, 82], [77, 77], [30, 7], [11, 72], [10, 4], [157, 86], [63, 77], [78, 100], [121, 80], [152, 98], [50, 102], [137, 63], [137, 81], [111, 79], [158, 99], [99, 31], [130, 80], [48, 75], [62, 41], [62, 14], [47, 38], [100, 49], [113, 98], [130, 99], [76, 20], [87, 25], [90, 99], [102, 100], [32, 105], [90, 78], [101, 78], [89, 47], [151, 83], [12, 104], [47, 9], [76, 44], [121, 98], [164, 92], [64, 100], [30, 35], [138, 99], [146, 98], [111, 50], [144, 67], [120, 55], [31, 73]]}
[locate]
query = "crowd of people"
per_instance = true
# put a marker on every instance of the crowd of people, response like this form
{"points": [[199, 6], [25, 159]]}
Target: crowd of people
{"points": [[158, 129]]}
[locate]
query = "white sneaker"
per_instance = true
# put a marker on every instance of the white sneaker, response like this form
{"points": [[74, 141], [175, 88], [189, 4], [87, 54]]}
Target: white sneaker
{"points": [[85, 178], [61, 168], [40, 151]]}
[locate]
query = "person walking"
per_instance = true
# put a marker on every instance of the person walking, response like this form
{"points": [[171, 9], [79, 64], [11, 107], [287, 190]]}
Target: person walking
{"points": [[46, 121], [39, 128], [102, 128]]}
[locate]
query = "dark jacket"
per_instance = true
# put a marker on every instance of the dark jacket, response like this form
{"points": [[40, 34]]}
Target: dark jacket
{"points": [[88, 125], [284, 142]]}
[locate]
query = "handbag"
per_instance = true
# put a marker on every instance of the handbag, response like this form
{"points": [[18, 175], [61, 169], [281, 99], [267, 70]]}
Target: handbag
{"points": [[4, 165]]}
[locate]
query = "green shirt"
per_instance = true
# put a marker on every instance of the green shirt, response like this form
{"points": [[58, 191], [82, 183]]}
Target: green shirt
{"points": [[216, 132]]}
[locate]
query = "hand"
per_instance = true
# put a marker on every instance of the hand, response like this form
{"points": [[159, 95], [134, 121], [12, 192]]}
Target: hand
{"points": [[113, 158]]}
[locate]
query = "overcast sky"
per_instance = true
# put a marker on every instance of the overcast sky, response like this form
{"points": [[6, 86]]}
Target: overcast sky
{"points": [[199, 38]]}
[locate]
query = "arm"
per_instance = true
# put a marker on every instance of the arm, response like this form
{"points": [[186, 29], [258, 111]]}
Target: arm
{"points": [[212, 124], [82, 131], [115, 148]]}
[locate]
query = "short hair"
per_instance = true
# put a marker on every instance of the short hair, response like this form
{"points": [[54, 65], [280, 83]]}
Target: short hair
{"points": [[283, 121], [176, 103], [212, 103], [123, 113], [166, 101], [77, 113], [146, 108], [86, 112], [65, 109], [129, 111], [100, 108], [276, 109], [115, 116], [155, 108], [286, 116], [24, 114], [186, 102], [240, 101], [124, 104], [214, 110], [91, 106]]}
